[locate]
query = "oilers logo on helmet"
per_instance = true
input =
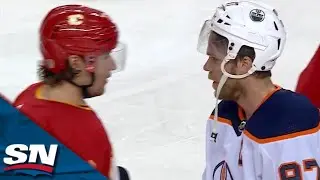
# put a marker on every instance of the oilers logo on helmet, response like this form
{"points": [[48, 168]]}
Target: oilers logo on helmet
{"points": [[257, 15]]}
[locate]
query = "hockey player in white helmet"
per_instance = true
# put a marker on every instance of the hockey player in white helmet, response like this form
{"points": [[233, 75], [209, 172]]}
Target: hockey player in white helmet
{"points": [[258, 131]]}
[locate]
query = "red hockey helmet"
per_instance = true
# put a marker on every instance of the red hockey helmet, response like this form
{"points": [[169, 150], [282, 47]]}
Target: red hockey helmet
{"points": [[77, 30]]}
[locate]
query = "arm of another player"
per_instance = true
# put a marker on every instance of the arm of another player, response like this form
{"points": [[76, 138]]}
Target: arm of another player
{"points": [[308, 83]]}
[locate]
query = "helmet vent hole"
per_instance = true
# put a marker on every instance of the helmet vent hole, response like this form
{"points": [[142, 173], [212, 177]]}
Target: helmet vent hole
{"points": [[281, 23], [275, 25], [279, 43], [220, 21], [275, 12]]}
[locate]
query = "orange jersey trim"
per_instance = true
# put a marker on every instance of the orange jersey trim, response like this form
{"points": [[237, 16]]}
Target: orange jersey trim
{"points": [[269, 95], [282, 137], [39, 96], [241, 113], [222, 120]]}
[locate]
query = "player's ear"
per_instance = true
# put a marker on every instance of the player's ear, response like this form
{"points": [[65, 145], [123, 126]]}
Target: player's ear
{"points": [[76, 63], [244, 64]]}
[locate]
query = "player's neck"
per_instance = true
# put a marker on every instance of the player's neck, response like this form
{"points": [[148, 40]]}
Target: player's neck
{"points": [[254, 93], [64, 92]]}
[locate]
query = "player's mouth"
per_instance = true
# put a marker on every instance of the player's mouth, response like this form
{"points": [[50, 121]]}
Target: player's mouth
{"points": [[213, 81]]}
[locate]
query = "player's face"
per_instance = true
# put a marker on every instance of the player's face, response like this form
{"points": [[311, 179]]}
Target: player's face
{"points": [[231, 89], [104, 64], [216, 49]]}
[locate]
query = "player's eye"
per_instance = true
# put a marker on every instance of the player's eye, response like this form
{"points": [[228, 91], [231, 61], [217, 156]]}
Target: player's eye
{"points": [[214, 59]]}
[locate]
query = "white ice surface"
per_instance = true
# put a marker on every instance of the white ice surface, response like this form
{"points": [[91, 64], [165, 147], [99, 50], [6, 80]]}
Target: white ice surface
{"points": [[155, 111]]}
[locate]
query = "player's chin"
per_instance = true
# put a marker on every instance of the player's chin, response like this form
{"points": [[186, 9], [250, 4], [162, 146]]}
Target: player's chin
{"points": [[96, 91], [215, 85], [100, 92]]}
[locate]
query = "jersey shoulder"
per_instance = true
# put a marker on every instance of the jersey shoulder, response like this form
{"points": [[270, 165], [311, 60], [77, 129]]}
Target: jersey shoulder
{"points": [[26, 94], [44, 111], [284, 115]]}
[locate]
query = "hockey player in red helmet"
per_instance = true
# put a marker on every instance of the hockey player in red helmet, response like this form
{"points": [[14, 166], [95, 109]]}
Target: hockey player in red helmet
{"points": [[80, 50], [308, 82]]}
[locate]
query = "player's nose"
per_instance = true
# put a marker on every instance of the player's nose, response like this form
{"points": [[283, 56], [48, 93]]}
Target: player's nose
{"points": [[111, 64], [206, 66]]}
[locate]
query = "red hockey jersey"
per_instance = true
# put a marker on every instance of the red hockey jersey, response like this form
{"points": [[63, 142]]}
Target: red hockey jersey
{"points": [[77, 127], [308, 82]]}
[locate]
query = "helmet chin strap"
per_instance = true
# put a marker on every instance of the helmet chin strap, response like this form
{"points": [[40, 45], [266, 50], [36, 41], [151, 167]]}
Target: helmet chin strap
{"points": [[225, 61], [222, 81], [84, 88]]}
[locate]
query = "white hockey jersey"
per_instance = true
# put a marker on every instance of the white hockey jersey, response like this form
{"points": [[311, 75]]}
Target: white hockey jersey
{"points": [[281, 141]]}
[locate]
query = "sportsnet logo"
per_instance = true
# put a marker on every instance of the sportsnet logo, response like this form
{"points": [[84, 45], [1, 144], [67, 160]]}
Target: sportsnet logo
{"points": [[22, 157]]}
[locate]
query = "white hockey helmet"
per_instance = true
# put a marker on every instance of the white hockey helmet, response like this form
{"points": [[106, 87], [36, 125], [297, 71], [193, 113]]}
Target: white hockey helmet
{"points": [[244, 22]]}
